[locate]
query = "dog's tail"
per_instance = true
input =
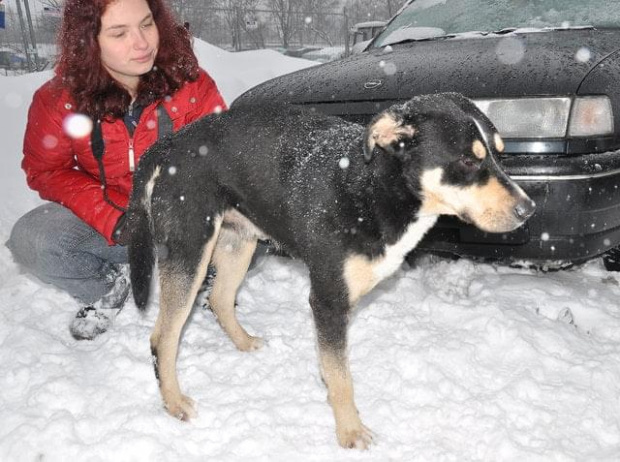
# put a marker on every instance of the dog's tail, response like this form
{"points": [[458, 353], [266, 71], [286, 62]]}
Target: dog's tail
{"points": [[141, 233], [141, 257]]}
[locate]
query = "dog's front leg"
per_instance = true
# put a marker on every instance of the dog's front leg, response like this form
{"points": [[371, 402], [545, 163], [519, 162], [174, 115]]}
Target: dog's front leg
{"points": [[331, 319]]}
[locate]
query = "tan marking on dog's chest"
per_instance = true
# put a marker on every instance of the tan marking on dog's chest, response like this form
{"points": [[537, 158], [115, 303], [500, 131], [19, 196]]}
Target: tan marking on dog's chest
{"points": [[362, 274]]}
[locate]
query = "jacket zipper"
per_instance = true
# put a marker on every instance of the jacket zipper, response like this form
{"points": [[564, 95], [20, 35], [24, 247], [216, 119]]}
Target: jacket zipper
{"points": [[132, 162]]}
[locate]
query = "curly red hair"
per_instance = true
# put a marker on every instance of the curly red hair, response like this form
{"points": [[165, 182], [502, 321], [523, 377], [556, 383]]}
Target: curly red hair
{"points": [[94, 91]]}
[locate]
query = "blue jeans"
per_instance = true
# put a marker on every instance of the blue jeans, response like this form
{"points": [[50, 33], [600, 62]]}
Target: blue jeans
{"points": [[57, 247]]}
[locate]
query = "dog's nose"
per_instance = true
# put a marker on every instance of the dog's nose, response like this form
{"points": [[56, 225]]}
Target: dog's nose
{"points": [[525, 209]]}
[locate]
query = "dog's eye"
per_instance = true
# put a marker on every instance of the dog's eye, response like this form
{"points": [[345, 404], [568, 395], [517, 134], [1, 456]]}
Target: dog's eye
{"points": [[401, 144]]}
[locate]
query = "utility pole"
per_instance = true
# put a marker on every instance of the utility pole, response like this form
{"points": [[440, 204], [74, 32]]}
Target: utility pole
{"points": [[33, 38], [30, 46]]}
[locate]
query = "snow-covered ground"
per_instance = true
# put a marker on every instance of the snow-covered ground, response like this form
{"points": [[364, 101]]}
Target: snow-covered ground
{"points": [[451, 360]]}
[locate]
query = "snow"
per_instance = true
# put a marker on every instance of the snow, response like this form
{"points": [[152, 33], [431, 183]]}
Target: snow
{"points": [[451, 360]]}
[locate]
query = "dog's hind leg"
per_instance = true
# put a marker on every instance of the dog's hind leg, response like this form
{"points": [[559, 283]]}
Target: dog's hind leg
{"points": [[231, 257], [181, 272], [331, 308]]}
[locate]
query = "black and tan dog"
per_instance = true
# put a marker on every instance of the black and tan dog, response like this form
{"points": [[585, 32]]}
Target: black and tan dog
{"points": [[350, 201]]}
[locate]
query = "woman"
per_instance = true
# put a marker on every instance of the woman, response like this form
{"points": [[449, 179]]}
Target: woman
{"points": [[129, 67]]}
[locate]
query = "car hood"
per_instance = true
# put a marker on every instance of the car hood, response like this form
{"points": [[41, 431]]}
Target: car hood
{"points": [[550, 62]]}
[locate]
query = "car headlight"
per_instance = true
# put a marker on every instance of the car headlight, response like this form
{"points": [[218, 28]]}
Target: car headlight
{"points": [[549, 117]]}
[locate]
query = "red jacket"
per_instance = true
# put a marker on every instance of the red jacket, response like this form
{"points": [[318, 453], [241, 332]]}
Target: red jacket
{"points": [[64, 170]]}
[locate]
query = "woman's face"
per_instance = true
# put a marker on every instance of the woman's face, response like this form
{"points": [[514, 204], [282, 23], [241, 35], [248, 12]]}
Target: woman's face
{"points": [[128, 41]]}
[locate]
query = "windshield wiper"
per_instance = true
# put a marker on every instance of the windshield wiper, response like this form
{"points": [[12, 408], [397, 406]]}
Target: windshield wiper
{"points": [[424, 39], [430, 39], [503, 31], [508, 30]]}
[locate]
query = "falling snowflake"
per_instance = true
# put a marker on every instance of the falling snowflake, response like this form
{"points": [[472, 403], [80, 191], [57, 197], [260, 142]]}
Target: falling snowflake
{"points": [[50, 141], [344, 163], [510, 50], [389, 68], [162, 251], [77, 125], [583, 55]]}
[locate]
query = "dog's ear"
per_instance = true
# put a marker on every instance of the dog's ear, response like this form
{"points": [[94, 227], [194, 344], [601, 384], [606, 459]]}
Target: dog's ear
{"points": [[388, 132]]}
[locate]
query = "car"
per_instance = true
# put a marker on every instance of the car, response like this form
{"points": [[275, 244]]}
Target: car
{"points": [[546, 72], [362, 33], [298, 52], [10, 59], [325, 54]]}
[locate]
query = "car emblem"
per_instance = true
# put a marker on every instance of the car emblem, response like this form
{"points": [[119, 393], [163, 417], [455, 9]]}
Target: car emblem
{"points": [[373, 84]]}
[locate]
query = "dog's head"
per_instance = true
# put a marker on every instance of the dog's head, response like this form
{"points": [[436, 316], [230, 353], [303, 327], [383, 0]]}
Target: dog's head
{"points": [[448, 150]]}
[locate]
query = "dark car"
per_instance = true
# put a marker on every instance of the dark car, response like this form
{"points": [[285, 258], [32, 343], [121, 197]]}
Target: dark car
{"points": [[546, 72]]}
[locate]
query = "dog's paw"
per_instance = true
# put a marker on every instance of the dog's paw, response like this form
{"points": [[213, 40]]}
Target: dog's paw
{"points": [[249, 343], [182, 408], [355, 438]]}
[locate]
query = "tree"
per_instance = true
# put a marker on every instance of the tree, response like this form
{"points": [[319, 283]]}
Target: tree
{"points": [[284, 14], [317, 22]]}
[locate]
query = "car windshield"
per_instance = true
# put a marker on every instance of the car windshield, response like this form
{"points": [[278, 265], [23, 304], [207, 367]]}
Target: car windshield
{"points": [[435, 19]]}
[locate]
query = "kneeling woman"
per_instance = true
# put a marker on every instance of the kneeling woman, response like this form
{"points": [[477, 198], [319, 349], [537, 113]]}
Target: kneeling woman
{"points": [[127, 66]]}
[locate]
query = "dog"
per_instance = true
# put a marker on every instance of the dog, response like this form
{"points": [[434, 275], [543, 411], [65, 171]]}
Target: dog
{"points": [[350, 201]]}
